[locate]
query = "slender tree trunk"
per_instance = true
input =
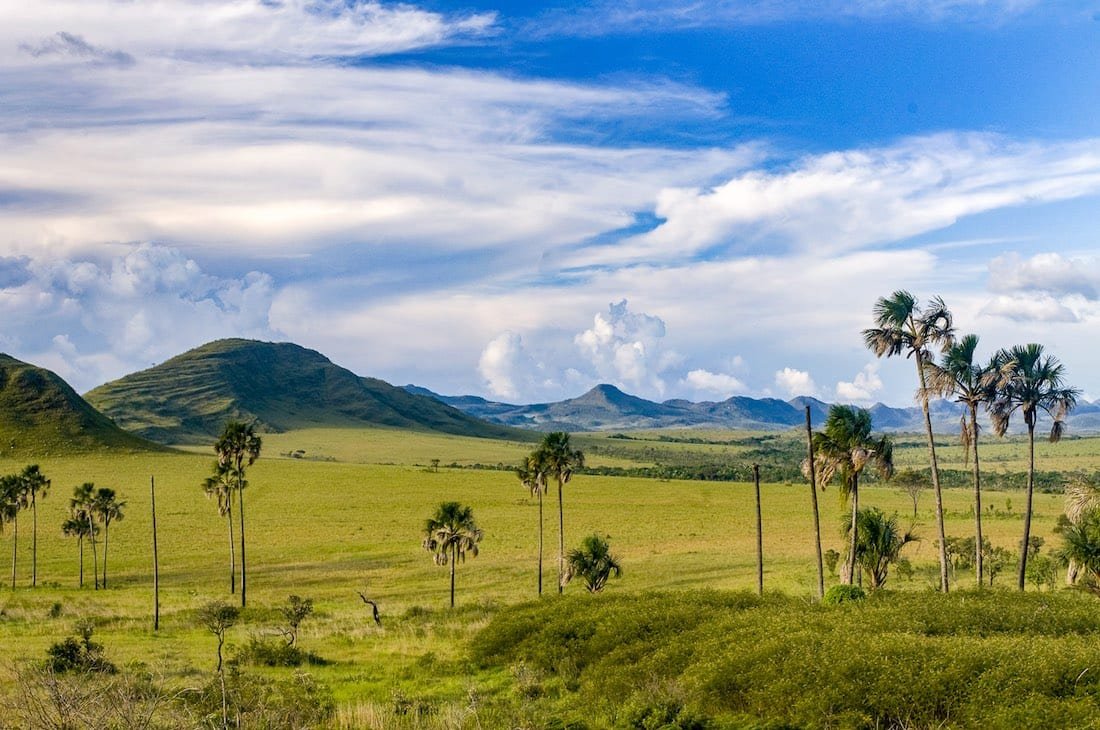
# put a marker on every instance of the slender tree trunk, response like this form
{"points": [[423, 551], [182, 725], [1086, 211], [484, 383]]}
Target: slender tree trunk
{"points": [[540, 541], [944, 584], [817, 515], [759, 534], [232, 549], [1027, 511], [106, 539], [14, 547], [156, 561], [80, 550], [240, 514], [454, 558], [34, 539], [977, 496], [853, 575], [95, 554], [561, 541]]}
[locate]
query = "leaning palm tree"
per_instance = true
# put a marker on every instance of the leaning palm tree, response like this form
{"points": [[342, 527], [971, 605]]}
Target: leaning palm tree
{"points": [[82, 505], [106, 507], [449, 534], [593, 562], [844, 448], [902, 326], [237, 447], [879, 544], [219, 486], [559, 460], [532, 475], [35, 483], [1030, 381], [973, 385]]}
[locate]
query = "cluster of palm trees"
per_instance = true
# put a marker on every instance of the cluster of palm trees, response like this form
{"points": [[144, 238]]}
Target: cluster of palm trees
{"points": [[555, 460], [237, 448], [91, 511], [18, 492], [1021, 379]]}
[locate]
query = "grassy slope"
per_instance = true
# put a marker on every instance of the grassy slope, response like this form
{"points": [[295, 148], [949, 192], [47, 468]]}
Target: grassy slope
{"points": [[40, 414], [282, 386], [326, 529]]}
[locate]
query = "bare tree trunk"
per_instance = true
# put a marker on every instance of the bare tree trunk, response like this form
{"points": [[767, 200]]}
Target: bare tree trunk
{"points": [[817, 515], [232, 549], [1030, 492], [106, 538], [944, 583], [80, 550], [853, 575], [95, 555], [977, 496], [561, 541], [156, 561], [14, 547], [540, 541], [454, 558], [240, 515], [34, 539], [759, 534]]}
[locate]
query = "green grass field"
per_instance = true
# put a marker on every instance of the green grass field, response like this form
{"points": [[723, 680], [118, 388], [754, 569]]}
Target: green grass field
{"points": [[326, 529]]}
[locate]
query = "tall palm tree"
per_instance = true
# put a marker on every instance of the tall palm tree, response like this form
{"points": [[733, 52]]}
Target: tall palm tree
{"points": [[902, 326], [449, 534], [34, 483], [106, 507], [560, 460], [219, 486], [844, 448], [238, 447], [82, 504], [532, 475], [78, 526], [1030, 381], [973, 385], [11, 501], [593, 562]]}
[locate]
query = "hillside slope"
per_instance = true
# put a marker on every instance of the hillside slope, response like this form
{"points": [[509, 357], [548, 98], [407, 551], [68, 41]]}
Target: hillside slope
{"points": [[280, 386], [41, 415]]}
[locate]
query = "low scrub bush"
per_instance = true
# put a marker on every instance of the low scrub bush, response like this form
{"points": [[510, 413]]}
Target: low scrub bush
{"points": [[843, 594], [276, 653]]}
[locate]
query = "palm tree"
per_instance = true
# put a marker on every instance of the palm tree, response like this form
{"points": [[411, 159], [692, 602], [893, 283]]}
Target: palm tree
{"points": [[593, 562], [844, 449], [237, 447], [82, 504], [879, 544], [449, 534], [11, 500], [1030, 381], [533, 477], [972, 385], [78, 526], [34, 482], [901, 326], [106, 507], [1081, 547], [219, 486], [559, 461]]}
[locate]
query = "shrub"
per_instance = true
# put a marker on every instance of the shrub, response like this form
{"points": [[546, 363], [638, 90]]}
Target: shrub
{"points": [[78, 653], [270, 653], [843, 594]]}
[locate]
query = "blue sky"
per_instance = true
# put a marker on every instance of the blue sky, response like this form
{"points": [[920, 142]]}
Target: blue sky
{"points": [[521, 200]]}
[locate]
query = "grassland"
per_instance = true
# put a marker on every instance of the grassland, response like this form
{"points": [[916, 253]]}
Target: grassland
{"points": [[347, 518]]}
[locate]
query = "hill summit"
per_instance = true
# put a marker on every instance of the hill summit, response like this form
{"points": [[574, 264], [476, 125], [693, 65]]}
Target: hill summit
{"points": [[279, 385], [40, 414]]}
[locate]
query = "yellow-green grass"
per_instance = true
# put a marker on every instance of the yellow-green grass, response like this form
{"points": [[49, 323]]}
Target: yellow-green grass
{"points": [[327, 529]]}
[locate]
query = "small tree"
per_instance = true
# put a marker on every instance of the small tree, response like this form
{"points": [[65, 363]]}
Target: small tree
{"points": [[218, 617], [449, 534], [106, 507], [912, 483], [296, 610], [238, 447], [878, 544], [1081, 547], [593, 562]]}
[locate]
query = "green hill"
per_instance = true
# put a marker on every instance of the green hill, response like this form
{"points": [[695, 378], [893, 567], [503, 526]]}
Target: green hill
{"points": [[281, 386], [41, 415]]}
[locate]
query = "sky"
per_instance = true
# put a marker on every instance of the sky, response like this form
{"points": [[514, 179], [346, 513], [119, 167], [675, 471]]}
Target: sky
{"points": [[520, 200]]}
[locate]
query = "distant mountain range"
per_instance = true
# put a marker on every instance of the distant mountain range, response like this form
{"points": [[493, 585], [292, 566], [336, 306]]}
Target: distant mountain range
{"points": [[606, 408], [279, 385]]}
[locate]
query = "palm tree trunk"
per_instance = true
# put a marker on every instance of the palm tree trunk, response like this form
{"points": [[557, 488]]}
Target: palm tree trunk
{"points": [[1027, 511], [561, 541], [817, 515], [14, 547], [80, 549], [759, 534], [95, 555], [853, 576], [106, 539], [34, 539], [454, 557], [240, 514], [232, 549], [977, 496], [540, 541], [944, 585]]}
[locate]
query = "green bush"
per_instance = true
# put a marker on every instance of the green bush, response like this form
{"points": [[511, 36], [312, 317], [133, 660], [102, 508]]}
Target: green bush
{"points": [[78, 653], [276, 653], [843, 594]]}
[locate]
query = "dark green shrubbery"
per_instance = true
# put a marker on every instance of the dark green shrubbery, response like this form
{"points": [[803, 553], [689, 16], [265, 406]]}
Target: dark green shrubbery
{"points": [[843, 594], [969, 660], [78, 653], [276, 653]]}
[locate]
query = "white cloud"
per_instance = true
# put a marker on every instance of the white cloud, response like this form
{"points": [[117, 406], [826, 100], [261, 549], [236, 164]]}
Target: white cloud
{"points": [[862, 388], [721, 384], [1035, 308], [1049, 273], [795, 382], [503, 362], [625, 348]]}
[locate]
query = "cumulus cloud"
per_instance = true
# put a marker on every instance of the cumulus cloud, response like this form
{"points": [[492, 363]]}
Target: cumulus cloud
{"points": [[721, 384], [625, 348], [862, 388], [1035, 308], [795, 382], [505, 365], [1048, 273]]}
